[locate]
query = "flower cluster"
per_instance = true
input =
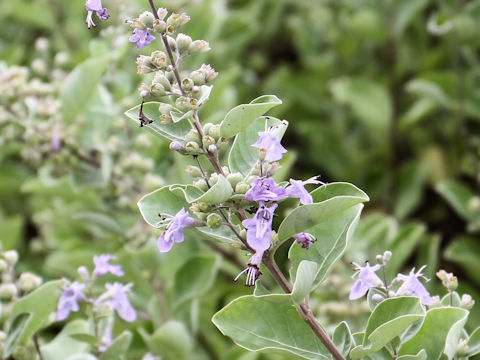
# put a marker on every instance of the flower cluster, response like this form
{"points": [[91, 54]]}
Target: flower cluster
{"points": [[113, 299]]}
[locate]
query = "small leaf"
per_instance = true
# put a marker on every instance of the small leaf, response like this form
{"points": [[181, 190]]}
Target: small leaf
{"points": [[474, 343], [243, 115], [306, 273], [388, 320], [342, 338], [173, 132], [218, 193], [422, 355], [243, 156], [458, 196], [438, 333], [255, 323], [117, 350], [195, 277], [172, 341], [65, 344]]}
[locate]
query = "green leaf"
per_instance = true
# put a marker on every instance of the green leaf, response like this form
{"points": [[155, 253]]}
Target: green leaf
{"points": [[243, 156], [195, 277], [422, 355], [464, 251], [474, 343], [173, 132], [70, 341], [389, 319], [15, 331], [306, 273], [39, 305], [369, 101], [333, 236], [218, 193], [329, 200], [161, 201], [172, 341], [438, 334], [222, 233], [255, 323], [243, 115], [458, 196], [117, 350], [342, 338], [99, 222], [80, 85]]}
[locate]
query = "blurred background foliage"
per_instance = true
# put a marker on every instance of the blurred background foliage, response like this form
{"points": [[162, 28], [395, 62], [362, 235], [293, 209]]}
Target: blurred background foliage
{"points": [[383, 94]]}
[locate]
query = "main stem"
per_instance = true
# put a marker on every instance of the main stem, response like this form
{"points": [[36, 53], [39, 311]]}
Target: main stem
{"points": [[268, 259]]}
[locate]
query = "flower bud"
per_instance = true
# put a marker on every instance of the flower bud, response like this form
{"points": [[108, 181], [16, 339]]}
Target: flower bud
{"points": [[201, 184], [198, 47], [3, 266], [29, 282], [193, 171], [3, 336], [462, 349], [178, 20], [198, 77], [144, 64], [83, 272], [187, 84], [171, 42], [183, 103], [209, 72], [207, 140], [159, 26], [8, 291], [192, 147], [165, 119], [234, 178], [162, 12], [194, 104], [192, 135], [144, 90], [159, 58], [467, 302], [157, 90], [473, 204], [213, 179], [212, 149], [11, 257], [206, 128], [214, 131], [147, 18], [176, 146], [170, 75], [387, 255], [183, 42], [449, 280], [226, 170], [222, 141], [241, 187], [262, 153], [214, 221], [436, 302], [379, 258]]}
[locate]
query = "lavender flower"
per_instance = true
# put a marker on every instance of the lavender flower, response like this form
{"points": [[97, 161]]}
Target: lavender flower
{"points": [[102, 266], [366, 279], [264, 189], [412, 286], [269, 143], [69, 300], [95, 5], [297, 190], [259, 228], [141, 37], [174, 232], [305, 239], [116, 297], [253, 269]]}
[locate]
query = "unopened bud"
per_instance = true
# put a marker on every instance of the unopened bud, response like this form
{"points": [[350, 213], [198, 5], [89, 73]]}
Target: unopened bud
{"points": [[198, 77], [206, 128], [467, 302], [144, 90], [159, 26], [379, 258], [192, 135], [387, 255], [165, 108], [222, 141], [171, 41], [201, 184], [178, 20], [214, 131], [214, 221], [436, 302], [198, 47], [147, 18], [377, 298], [241, 187], [262, 153], [192, 147], [29, 282], [213, 179], [162, 12], [208, 140], [449, 280], [8, 291], [193, 171], [159, 58], [226, 170], [234, 178], [83, 272], [11, 257], [157, 89], [165, 119], [209, 72], [183, 103], [462, 349], [183, 42], [3, 266], [176, 146], [212, 149], [187, 84]]}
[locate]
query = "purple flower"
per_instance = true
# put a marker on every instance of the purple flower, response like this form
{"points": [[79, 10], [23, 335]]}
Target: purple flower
{"points": [[305, 239], [174, 232], [102, 266], [95, 5], [259, 228], [253, 269], [69, 300], [412, 286], [366, 279], [297, 190], [269, 143], [264, 189], [141, 37], [116, 297]]}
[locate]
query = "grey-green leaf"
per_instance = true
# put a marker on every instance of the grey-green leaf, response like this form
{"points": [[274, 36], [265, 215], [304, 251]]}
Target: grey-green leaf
{"points": [[255, 323], [117, 350], [474, 343], [342, 338], [243, 115], [388, 320], [304, 281], [172, 341]]}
